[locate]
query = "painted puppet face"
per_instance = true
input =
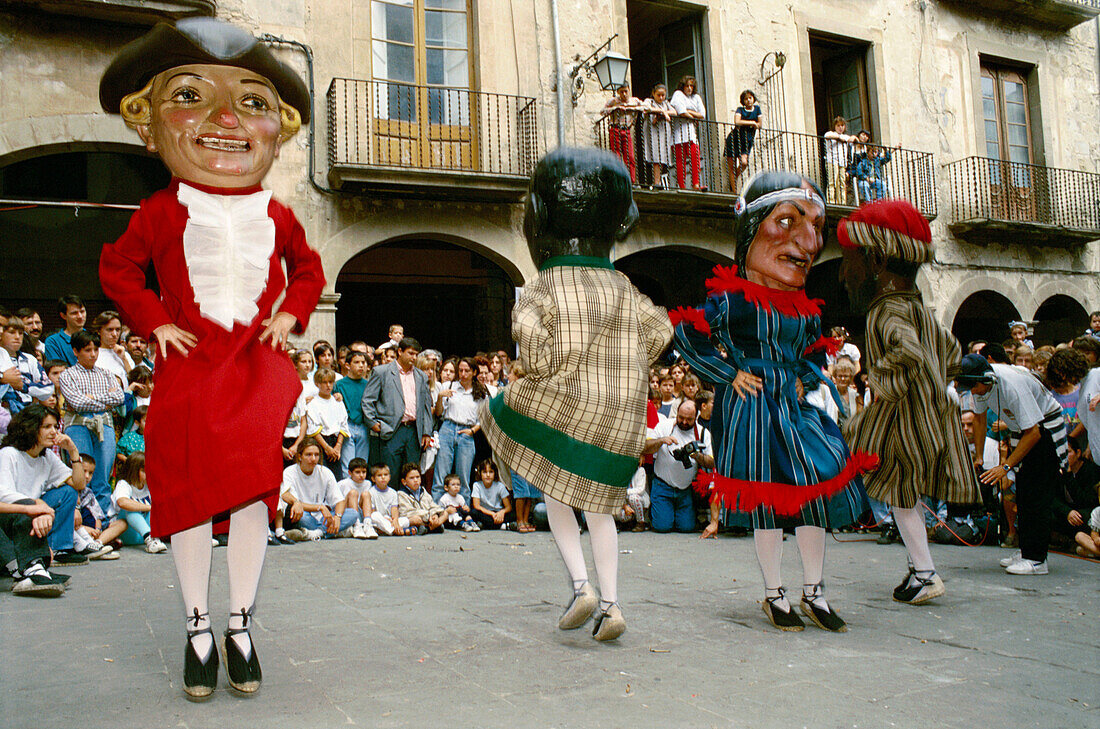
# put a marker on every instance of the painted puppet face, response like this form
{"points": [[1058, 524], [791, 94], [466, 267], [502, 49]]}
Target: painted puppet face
{"points": [[214, 125], [786, 245]]}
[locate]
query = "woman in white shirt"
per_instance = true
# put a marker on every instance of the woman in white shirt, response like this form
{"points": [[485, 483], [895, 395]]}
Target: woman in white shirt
{"points": [[113, 356], [689, 108], [458, 406]]}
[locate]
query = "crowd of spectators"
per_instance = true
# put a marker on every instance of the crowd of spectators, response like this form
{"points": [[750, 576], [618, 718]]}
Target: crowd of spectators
{"points": [[385, 441]]}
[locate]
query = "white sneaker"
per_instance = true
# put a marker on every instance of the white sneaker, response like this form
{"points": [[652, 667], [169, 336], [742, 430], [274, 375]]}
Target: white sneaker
{"points": [[1027, 567], [358, 532], [99, 551], [369, 531], [213, 542], [476, 527], [468, 526], [314, 535], [155, 546], [347, 533], [1015, 557]]}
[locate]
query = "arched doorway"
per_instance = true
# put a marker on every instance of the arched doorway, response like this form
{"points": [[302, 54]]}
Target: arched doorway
{"points": [[671, 276], [984, 315], [446, 296], [47, 251], [1059, 319]]}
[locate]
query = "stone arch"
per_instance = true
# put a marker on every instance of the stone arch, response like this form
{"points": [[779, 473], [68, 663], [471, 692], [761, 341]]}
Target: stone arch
{"points": [[1059, 318], [1064, 286], [21, 138], [967, 288], [983, 315]]}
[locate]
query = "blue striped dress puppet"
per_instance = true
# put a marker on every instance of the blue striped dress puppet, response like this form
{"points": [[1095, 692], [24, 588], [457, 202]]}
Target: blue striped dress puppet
{"points": [[777, 456]]}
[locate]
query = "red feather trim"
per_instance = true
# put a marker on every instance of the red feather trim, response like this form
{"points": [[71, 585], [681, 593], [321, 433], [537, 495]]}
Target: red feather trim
{"points": [[829, 344], [785, 498], [694, 317], [787, 303]]}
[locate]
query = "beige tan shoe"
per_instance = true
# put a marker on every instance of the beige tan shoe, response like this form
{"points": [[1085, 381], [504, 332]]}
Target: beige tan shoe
{"points": [[610, 624], [581, 609]]}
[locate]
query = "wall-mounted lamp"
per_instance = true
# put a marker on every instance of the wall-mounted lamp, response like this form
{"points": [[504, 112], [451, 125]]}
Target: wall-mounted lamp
{"points": [[609, 70]]}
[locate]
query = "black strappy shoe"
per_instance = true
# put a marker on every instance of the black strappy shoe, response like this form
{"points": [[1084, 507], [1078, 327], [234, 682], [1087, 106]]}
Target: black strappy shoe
{"points": [[823, 618], [784, 620], [244, 676], [199, 679], [928, 586]]}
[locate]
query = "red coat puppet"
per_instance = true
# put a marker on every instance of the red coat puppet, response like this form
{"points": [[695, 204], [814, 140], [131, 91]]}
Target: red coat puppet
{"points": [[216, 105]]}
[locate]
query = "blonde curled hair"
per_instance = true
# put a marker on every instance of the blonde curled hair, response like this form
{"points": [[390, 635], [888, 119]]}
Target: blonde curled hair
{"points": [[137, 110]]}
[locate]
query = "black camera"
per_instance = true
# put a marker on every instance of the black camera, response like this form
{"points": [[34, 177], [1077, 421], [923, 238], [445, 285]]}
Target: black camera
{"points": [[683, 453]]}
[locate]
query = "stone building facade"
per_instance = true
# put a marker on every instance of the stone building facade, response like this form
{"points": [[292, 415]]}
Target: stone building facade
{"points": [[429, 115]]}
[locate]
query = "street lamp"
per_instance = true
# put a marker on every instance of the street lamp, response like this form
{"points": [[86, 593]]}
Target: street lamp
{"points": [[609, 69]]}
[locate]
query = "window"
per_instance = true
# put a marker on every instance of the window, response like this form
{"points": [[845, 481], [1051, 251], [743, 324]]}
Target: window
{"points": [[840, 84], [1008, 143]]}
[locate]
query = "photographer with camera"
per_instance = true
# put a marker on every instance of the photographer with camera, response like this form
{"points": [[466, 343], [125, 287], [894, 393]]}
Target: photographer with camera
{"points": [[681, 447]]}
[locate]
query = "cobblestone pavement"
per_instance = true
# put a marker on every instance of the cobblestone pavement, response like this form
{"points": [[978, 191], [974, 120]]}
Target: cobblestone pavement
{"points": [[460, 631]]}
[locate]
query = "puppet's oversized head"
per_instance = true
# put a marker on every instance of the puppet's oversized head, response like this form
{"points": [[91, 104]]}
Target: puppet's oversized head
{"points": [[779, 228], [578, 204], [210, 99], [883, 236]]}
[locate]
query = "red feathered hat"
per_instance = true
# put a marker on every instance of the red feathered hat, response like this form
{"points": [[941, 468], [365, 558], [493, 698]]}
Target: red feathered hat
{"points": [[893, 227]]}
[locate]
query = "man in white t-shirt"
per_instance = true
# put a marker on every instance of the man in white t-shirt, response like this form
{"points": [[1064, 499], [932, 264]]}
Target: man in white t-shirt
{"points": [[1037, 443], [670, 493]]}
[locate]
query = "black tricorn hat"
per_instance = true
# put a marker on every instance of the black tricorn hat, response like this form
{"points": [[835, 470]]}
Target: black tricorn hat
{"points": [[197, 40]]}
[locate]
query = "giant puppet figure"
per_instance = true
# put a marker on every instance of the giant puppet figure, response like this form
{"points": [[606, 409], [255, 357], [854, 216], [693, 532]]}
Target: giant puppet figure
{"points": [[912, 425], [574, 427], [757, 340], [216, 105]]}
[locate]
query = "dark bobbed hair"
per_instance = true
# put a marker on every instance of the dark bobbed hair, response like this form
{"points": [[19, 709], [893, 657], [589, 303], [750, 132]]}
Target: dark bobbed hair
{"points": [[487, 462], [23, 429], [131, 469], [357, 462], [747, 224], [82, 339], [745, 93]]}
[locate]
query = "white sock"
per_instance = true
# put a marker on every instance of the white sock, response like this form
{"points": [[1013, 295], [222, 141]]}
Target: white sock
{"points": [[245, 556], [811, 550], [80, 541], [769, 554], [910, 523], [191, 552], [567, 535], [35, 568], [604, 538]]}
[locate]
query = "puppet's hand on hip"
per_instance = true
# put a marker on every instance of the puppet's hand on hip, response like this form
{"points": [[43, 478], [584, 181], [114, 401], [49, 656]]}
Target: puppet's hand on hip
{"points": [[278, 328], [170, 334]]}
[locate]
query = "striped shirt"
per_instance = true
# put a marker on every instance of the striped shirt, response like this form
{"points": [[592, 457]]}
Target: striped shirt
{"points": [[1022, 402], [90, 390]]}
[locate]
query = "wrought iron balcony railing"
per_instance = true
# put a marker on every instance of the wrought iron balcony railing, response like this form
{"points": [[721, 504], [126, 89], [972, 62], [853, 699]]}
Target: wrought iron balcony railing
{"points": [[903, 173], [379, 126], [994, 195], [1056, 14]]}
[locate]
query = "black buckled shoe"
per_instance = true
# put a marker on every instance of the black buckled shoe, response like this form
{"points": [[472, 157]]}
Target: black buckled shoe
{"points": [[823, 618], [244, 675], [784, 620], [199, 679], [919, 587]]}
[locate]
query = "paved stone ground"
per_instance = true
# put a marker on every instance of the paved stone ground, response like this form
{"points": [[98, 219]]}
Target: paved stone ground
{"points": [[461, 632]]}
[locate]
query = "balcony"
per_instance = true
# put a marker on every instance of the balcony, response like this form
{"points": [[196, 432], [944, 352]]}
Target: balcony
{"points": [[997, 201], [139, 12], [430, 142], [910, 174], [1060, 15]]}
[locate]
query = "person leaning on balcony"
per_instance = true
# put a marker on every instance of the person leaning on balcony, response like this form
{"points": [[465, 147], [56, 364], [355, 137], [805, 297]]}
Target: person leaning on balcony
{"points": [[623, 108], [856, 155], [658, 134], [837, 151], [747, 118], [870, 172], [689, 108]]}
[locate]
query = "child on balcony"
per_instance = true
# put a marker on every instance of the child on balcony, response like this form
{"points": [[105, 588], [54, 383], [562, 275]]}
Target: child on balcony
{"points": [[869, 172], [747, 118], [623, 108], [658, 134]]}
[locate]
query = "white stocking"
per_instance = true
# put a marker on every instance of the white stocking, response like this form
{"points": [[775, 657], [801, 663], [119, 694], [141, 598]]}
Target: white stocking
{"points": [[910, 523], [245, 555], [811, 549], [769, 554], [567, 534], [191, 552], [605, 553]]}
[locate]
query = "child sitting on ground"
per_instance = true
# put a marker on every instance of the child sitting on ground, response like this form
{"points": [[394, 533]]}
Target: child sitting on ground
{"points": [[91, 535], [131, 503], [133, 440], [356, 490], [327, 420], [416, 504], [1088, 545], [316, 505], [386, 515], [458, 511], [491, 504]]}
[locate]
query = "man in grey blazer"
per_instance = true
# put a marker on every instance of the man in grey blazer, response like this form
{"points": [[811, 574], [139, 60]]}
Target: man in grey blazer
{"points": [[397, 407]]}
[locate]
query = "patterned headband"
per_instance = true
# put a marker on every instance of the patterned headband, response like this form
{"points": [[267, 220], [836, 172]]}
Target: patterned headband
{"points": [[740, 207]]}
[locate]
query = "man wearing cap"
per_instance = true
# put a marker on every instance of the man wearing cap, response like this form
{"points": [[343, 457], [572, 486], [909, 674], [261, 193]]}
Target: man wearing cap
{"points": [[912, 425], [1037, 449], [215, 105]]}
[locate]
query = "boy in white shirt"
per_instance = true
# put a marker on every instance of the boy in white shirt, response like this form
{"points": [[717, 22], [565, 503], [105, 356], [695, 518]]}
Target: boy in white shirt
{"points": [[317, 508], [356, 490], [327, 420], [386, 516], [458, 511]]}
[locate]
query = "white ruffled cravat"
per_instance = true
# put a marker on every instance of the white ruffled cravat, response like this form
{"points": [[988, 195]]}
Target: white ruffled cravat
{"points": [[227, 244]]}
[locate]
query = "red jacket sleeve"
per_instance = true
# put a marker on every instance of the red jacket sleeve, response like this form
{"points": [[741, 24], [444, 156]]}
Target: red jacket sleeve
{"points": [[122, 267], [305, 275]]}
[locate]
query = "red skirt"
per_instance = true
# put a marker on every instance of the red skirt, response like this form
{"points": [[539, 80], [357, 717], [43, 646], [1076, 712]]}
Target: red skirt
{"points": [[214, 430]]}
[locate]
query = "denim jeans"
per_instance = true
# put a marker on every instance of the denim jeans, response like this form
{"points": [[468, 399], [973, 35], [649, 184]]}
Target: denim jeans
{"points": [[357, 446], [63, 502], [456, 455], [670, 507], [103, 451], [313, 520]]}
